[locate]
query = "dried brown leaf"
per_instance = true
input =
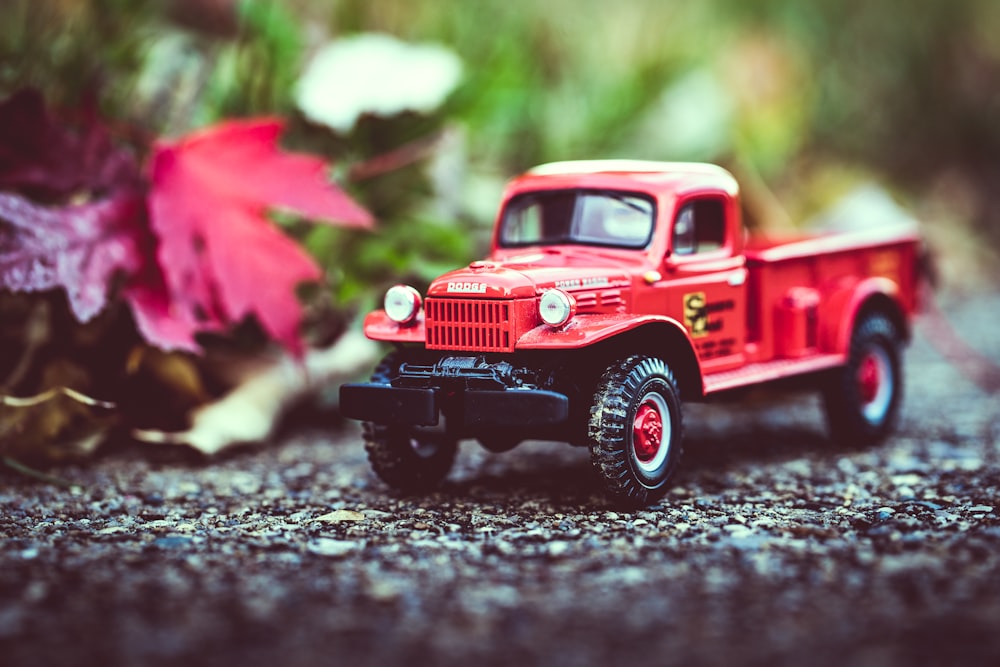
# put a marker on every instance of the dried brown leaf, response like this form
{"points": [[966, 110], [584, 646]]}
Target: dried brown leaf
{"points": [[249, 413]]}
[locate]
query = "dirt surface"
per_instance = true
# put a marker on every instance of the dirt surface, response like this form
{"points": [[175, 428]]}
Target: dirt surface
{"points": [[773, 548]]}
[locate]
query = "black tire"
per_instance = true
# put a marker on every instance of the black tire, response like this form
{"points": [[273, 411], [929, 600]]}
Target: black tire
{"points": [[862, 398], [403, 459], [636, 455], [498, 443]]}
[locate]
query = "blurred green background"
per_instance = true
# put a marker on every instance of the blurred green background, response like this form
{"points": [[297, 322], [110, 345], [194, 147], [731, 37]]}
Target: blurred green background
{"points": [[804, 101]]}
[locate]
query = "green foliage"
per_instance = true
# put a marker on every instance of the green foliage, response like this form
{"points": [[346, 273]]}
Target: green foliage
{"points": [[362, 265], [260, 65], [68, 49], [785, 91], [803, 100]]}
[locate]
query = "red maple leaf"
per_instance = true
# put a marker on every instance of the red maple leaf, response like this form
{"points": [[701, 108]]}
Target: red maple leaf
{"points": [[197, 255], [221, 259], [79, 248]]}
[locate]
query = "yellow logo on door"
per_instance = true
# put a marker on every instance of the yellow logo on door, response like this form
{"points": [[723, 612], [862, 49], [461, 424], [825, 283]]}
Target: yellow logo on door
{"points": [[695, 314]]}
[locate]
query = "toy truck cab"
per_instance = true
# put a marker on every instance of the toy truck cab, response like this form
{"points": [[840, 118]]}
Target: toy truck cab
{"points": [[613, 290]]}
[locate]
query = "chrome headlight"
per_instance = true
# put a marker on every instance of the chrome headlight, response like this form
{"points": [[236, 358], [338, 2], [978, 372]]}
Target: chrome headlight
{"points": [[556, 307], [402, 303]]}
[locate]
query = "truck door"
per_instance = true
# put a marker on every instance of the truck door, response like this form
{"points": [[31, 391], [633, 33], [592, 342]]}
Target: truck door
{"points": [[706, 280]]}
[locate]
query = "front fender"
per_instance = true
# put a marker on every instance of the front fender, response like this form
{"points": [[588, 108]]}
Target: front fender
{"points": [[378, 326], [586, 330], [632, 334]]}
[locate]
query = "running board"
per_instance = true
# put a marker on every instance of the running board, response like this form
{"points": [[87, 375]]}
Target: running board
{"points": [[769, 371]]}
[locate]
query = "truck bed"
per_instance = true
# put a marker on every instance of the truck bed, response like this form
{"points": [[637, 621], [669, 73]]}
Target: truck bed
{"points": [[762, 248], [798, 298]]}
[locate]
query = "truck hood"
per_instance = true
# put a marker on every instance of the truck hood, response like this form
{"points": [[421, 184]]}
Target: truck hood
{"points": [[528, 274]]}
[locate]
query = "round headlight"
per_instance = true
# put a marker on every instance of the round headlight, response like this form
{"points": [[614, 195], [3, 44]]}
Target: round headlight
{"points": [[402, 303], [556, 307]]}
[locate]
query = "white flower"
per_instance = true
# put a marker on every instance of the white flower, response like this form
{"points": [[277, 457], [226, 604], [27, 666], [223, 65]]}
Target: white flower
{"points": [[376, 74]]}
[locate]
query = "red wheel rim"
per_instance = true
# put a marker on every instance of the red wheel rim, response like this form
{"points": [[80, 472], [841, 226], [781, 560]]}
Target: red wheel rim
{"points": [[647, 431], [876, 384], [869, 378]]}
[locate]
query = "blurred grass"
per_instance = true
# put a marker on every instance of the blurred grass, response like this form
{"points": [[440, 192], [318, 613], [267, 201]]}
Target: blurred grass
{"points": [[803, 100]]}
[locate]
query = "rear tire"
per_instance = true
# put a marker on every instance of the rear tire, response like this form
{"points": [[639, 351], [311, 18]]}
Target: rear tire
{"points": [[862, 398], [636, 430], [404, 460]]}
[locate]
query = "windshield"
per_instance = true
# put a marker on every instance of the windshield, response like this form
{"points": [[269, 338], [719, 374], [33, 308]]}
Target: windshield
{"points": [[589, 217]]}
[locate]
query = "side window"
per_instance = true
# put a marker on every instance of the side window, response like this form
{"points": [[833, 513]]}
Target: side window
{"points": [[700, 227], [684, 231]]}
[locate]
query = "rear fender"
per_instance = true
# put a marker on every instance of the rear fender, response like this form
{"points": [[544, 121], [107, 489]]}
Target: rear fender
{"points": [[845, 306]]}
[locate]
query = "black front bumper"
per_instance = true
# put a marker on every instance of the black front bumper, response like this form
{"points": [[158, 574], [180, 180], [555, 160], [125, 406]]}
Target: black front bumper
{"points": [[385, 404]]}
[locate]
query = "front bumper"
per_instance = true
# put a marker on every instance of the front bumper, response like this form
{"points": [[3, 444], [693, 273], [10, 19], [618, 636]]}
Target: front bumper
{"points": [[472, 408]]}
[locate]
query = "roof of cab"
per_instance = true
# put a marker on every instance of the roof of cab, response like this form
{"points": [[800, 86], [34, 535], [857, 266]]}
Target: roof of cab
{"points": [[679, 176]]}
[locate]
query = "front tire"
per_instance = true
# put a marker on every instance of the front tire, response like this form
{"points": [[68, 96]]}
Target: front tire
{"points": [[635, 429], [862, 398], [408, 462], [404, 460]]}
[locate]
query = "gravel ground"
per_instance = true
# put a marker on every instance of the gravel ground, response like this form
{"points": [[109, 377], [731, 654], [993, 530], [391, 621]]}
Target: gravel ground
{"points": [[773, 548]]}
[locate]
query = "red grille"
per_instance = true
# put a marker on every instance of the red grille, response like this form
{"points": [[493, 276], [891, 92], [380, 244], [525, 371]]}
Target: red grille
{"points": [[475, 325]]}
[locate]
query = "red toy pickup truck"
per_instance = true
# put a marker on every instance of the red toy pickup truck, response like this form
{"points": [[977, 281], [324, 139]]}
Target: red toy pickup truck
{"points": [[614, 291]]}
